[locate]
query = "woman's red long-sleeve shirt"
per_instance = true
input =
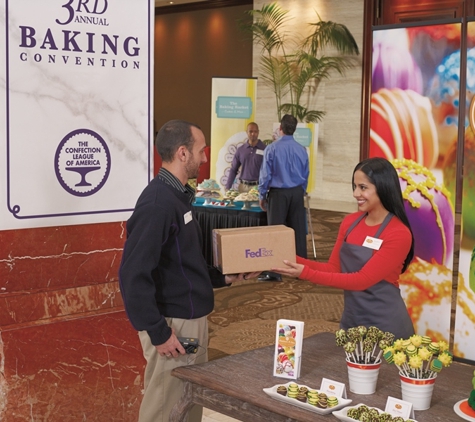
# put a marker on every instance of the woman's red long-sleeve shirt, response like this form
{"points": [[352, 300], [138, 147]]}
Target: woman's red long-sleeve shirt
{"points": [[385, 264]]}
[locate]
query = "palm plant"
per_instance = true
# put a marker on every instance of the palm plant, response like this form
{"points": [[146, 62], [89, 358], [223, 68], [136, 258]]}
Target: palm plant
{"points": [[293, 69]]}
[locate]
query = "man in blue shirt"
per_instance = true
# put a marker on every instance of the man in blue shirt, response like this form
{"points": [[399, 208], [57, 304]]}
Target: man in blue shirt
{"points": [[248, 157], [283, 183]]}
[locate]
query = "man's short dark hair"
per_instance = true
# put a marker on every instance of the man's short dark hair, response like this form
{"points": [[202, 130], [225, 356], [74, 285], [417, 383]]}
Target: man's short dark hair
{"points": [[288, 124], [171, 136]]}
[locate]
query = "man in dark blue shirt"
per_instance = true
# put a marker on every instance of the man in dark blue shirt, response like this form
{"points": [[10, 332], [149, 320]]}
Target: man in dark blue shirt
{"points": [[283, 183], [165, 282], [248, 157]]}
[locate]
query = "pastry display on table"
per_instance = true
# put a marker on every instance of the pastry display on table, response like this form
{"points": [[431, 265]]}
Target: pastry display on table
{"points": [[192, 183], [248, 197], [364, 413], [208, 189], [231, 195], [306, 397]]}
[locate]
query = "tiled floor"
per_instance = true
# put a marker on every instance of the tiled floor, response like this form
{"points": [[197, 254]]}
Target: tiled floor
{"points": [[212, 416]]}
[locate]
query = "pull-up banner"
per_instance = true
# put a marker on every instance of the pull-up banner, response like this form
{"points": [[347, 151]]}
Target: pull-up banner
{"points": [[76, 110], [233, 107], [416, 92]]}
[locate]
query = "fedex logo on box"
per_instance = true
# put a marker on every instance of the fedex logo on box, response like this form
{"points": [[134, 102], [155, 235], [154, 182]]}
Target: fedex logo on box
{"points": [[260, 253]]}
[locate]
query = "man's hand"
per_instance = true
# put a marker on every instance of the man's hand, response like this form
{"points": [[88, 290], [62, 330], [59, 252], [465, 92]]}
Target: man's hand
{"points": [[231, 278], [171, 348], [263, 204]]}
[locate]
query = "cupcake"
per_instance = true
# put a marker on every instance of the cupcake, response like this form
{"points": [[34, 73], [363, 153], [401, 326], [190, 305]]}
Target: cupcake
{"points": [[282, 389], [312, 400], [322, 402], [292, 390]]}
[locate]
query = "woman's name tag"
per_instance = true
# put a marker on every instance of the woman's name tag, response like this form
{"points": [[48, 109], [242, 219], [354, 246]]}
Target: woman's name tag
{"points": [[372, 243]]}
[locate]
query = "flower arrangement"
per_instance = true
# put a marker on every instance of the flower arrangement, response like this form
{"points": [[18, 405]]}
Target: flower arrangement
{"points": [[363, 345], [418, 357]]}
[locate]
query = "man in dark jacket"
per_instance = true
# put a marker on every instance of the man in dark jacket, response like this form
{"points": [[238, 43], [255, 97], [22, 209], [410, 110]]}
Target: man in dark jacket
{"points": [[166, 285]]}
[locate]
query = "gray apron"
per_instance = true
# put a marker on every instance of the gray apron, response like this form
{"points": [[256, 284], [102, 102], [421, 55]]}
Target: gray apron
{"points": [[380, 305]]}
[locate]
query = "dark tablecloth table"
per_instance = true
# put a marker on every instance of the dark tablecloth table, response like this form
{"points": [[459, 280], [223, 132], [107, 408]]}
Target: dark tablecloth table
{"points": [[219, 217]]}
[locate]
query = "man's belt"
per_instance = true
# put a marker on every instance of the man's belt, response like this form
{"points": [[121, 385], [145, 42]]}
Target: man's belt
{"points": [[249, 182]]}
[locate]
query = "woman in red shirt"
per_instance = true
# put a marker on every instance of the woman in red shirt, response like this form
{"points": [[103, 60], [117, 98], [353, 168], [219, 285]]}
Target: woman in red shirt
{"points": [[373, 247]]}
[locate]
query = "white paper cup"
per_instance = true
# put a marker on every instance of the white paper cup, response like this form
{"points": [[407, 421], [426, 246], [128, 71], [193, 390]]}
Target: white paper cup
{"points": [[363, 377], [417, 391]]}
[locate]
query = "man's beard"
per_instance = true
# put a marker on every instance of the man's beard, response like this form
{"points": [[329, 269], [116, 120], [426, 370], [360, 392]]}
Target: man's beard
{"points": [[192, 168]]}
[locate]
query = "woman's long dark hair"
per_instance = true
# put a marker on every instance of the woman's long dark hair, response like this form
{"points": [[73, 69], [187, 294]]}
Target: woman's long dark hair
{"points": [[383, 175]]}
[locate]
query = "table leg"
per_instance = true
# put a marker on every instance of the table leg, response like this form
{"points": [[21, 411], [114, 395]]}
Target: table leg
{"points": [[181, 408]]}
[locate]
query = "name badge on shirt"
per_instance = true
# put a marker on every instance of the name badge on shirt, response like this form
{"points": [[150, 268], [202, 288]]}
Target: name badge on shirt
{"points": [[187, 217], [260, 152], [372, 243]]}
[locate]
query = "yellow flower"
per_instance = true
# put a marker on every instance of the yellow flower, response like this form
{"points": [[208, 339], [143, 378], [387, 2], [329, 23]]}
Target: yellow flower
{"points": [[389, 349], [446, 359], [398, 344], [399, 358], [415, 362], [443, 346], [416, 340], [424, 353]]}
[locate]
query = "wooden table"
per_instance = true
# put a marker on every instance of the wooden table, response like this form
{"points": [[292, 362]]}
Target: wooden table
{"points": [[233, 385]]}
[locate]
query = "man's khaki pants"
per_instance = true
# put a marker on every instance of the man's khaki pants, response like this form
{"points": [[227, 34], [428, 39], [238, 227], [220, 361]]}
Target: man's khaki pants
{"points": [[162, 390]]}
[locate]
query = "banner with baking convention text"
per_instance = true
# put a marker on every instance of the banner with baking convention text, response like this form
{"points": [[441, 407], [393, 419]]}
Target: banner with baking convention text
{"points": [[233, 107], [76, 110]]}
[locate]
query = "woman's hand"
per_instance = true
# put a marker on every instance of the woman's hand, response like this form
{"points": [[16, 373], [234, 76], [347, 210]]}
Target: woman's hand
{"points": [[293, 269]]}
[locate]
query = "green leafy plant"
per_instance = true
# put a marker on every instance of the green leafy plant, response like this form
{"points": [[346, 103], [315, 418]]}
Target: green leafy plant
{"points": [[293, 68]]}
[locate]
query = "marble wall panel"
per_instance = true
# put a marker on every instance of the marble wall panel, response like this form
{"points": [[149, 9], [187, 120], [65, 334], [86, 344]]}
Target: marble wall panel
{"points": [[87, 369], [39, 307], [59, 257]]}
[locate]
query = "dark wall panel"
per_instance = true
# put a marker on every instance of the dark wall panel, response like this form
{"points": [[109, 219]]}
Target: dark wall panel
{"points": [[190, 48]]}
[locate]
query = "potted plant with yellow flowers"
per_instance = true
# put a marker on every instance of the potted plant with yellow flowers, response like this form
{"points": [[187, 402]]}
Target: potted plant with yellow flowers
{"points": [[419, 360]]}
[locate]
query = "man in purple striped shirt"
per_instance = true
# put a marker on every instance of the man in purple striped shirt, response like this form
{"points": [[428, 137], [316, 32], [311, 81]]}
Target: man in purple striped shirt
{"points": [[248, 157]]}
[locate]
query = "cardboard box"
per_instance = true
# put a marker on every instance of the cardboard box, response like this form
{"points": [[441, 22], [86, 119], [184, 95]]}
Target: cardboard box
{"points": [[288, 348], [248, 249]]}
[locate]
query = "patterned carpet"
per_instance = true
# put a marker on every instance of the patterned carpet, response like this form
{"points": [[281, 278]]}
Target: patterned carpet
{"points": [[245, 315]]}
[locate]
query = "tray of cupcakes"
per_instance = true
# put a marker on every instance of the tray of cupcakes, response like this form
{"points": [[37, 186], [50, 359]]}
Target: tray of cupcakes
{"points": [[306, 397]]}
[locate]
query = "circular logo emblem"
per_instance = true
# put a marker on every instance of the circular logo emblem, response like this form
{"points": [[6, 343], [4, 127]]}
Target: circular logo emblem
{"points": [[82, 162]]}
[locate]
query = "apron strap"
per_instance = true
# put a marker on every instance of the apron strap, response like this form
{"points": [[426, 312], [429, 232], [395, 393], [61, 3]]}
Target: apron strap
{"points": [[385, 222], [355, 224]]}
